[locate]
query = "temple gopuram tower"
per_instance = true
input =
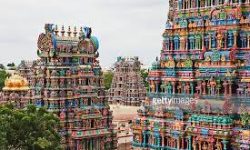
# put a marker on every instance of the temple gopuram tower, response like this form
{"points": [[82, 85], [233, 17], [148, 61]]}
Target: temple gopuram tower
{"points": [[127, 86], [205, 49], [15, 91], [67, 80], [204, 68]]}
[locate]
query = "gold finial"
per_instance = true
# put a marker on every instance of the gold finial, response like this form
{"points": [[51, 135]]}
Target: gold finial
{"points": [[56, 30], [69, 31], [75, 32], [62, 31]]}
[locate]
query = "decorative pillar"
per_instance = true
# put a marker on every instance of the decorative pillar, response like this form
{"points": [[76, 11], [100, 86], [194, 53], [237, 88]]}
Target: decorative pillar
{"points": [[181, 43], [204, 87], [144, 139], [210, 41], [212, 145], [230, 87], [159, 141], [165, 88], [199, 143], [163, 141], [183, 88], [170, 89], [157, 86], [171, 43], [173, 86], [91, 144], [203, 41], [196, 45], [186, 43], [189, 142], [224, 142], [225, 85], [235, 39], [192, 87], [248, 42], [178, 143], [225, 38], [149, 89], [182, 143]]}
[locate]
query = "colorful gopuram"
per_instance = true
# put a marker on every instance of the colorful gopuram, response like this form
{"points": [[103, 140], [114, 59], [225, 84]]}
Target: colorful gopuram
{"points": [[25, 68], [204, 73], [67, 80], [127, 86]]}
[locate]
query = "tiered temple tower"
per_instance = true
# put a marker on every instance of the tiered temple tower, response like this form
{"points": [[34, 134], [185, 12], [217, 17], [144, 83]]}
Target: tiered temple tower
{"points": [[205, 49], [205, 55], [127, 86], [67, 81], [25, 68], [15, 91]]}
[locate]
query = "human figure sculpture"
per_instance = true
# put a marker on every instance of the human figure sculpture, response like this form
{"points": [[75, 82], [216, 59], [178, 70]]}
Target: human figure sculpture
{"points": [[53, 83], [173, 87], [225, 86], [187, 88], [204, 146], [207, 61], [48, 73], [169, 88], [41, 82], [220, 39], [199, 88], [68, 73], [204, 87], [61, 83], [218, 145], [54, 73], [179, 88], [152, 87], [213, 85], [218, 87]]}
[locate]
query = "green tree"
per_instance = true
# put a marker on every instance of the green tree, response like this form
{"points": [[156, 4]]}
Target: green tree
{"points": [[11, 66], [245, 119], [144, 74], [107, 77], [3, 76], [2, 67], [28, 129]]}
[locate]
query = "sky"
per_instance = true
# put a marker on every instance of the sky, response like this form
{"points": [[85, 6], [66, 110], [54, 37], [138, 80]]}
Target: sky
{"points": [[124, 27]]}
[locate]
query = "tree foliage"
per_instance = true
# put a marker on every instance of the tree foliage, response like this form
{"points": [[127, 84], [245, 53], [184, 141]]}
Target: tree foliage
{"points": [[3, 76], [28, 129], [245, 119], [144, 74], [2, 66], [11, 66], [108, 76]]}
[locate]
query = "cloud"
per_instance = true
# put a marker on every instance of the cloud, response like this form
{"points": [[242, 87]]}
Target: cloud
{"points": [[124, 27]]}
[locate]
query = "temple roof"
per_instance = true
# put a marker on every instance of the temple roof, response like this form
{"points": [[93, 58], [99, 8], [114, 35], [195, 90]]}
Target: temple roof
{"points": [[16, 83]]}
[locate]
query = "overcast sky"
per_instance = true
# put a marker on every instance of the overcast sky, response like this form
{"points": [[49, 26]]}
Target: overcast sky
{"points": [[123, 27]]}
